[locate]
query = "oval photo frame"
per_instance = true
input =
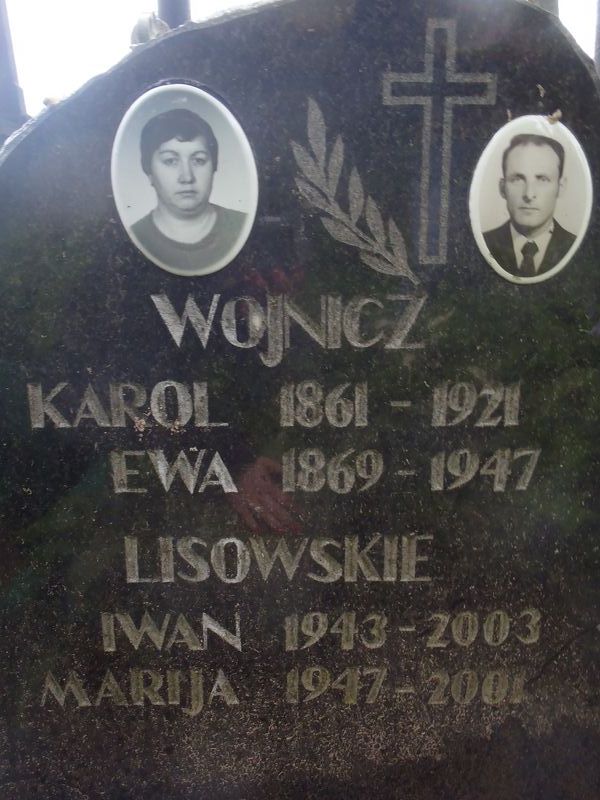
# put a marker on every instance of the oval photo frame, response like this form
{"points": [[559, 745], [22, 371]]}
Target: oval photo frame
{"points": [[184, 180], [544, 200]]}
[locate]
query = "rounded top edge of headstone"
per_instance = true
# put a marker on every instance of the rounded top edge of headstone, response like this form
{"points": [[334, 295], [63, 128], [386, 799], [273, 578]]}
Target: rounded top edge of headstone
{"points": [[234, 14], [137, 51], [554, 19]]}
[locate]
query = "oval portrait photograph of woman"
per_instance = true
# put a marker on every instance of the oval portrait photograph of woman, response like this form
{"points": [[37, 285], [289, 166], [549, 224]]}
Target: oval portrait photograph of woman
{"points": [[531, 199], [184, 180]]}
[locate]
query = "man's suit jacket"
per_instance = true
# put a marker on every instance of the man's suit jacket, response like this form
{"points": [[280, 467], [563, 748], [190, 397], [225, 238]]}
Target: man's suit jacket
{"points": [[500, 244]]}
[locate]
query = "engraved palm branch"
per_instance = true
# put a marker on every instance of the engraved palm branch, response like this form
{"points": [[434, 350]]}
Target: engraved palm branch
{"points": [[382, 246]]}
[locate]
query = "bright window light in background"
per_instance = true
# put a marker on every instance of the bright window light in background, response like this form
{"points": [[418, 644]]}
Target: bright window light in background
{"points": [[579, 16], [61, 44]]}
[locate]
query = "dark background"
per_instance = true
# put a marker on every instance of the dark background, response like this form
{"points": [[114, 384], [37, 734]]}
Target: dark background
{"points": [[75, 297]]}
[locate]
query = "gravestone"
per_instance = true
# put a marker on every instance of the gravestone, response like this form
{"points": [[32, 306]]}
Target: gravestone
{"points": [[315, 515]]}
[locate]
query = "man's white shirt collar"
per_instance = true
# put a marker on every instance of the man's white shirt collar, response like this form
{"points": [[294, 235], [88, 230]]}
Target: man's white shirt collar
{"points": [[542, 241]]}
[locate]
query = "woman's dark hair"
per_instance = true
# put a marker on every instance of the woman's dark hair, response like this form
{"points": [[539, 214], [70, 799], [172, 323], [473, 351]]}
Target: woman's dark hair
{"points": [[179, 124]]}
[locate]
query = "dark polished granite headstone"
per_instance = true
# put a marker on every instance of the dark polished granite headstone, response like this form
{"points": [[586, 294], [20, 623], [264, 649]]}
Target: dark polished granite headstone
{"points": [[415, 616]]}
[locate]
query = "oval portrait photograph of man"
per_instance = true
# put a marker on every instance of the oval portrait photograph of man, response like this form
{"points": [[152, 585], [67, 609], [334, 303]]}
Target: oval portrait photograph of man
{"points": [[184, 180], [530, 199]]}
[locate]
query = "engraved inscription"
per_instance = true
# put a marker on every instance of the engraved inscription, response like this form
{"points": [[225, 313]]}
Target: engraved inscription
{"points": [[246, 324], [308, 405], [311, 470], [496, 405], [191, 691], [454, 470], [385, 559]]}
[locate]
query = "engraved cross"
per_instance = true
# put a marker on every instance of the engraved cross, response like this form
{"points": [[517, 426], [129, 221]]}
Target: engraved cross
{"points": [[438, 89]]}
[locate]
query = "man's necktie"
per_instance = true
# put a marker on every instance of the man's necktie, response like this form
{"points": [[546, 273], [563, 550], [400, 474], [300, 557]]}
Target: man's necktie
{"points": [[529, 249]]}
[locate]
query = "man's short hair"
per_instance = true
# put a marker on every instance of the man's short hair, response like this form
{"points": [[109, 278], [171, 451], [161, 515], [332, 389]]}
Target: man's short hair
{"points": [[537, 139], [180, 124]]}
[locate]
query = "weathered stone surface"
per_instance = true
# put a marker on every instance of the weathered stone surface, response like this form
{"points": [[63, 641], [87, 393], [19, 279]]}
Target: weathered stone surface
{"points": [[482, 682]]}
